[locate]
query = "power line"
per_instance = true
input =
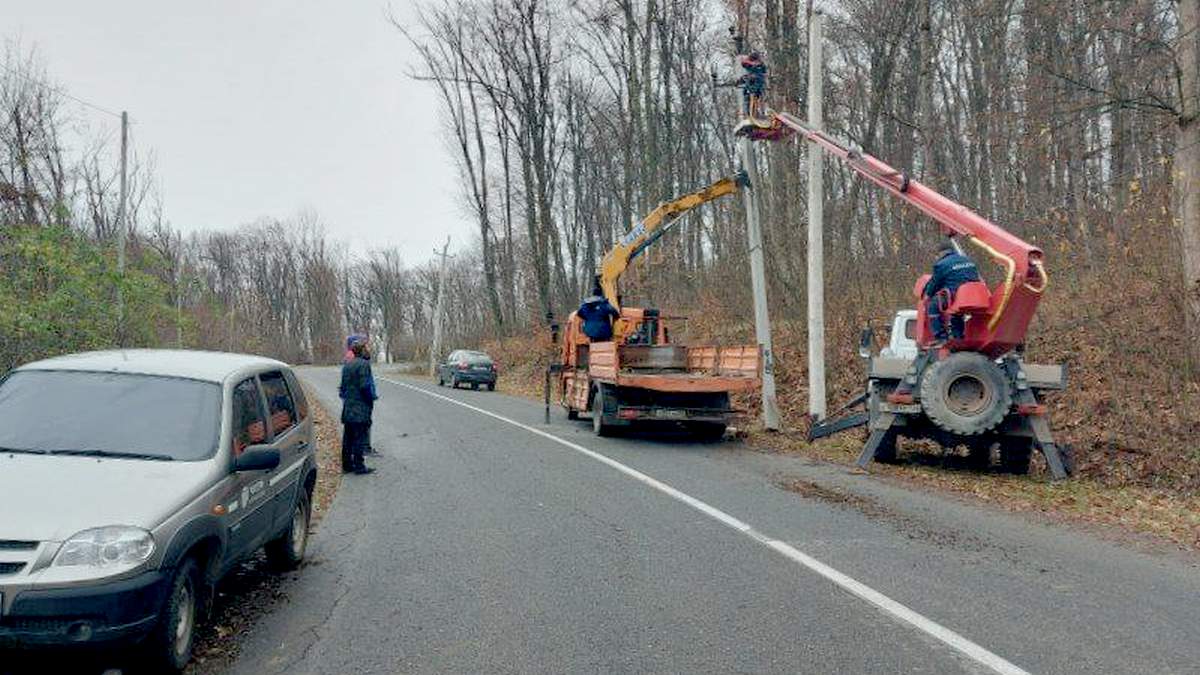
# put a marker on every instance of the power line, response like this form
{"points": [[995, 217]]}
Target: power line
{"points": [[58, 90]]}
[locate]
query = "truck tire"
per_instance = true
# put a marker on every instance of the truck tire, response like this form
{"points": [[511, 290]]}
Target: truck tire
{"points": [[886, 452], [1015, 452], [707, 431], [599, 426], [966, 394], [979, 453]]}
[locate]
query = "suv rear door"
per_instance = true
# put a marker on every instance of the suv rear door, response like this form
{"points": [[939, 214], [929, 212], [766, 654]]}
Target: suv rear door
{"points": [[287, 413], [253, 518]]}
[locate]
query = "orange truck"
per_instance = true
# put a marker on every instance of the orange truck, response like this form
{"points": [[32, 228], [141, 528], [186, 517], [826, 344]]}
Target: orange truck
{"points": [[640, 374]]}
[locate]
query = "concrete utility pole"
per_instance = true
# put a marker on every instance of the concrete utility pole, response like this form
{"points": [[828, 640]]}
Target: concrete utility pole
{"points": [[758, 279], [121, 227], [435, 350], [816, 229]]}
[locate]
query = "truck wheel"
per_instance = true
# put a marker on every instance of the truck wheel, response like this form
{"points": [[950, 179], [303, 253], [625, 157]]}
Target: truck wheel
{"points": [[979, 454], [287, 552], [168, 648], [966, 394], [491, 386], [886, 452], [1014, 455], [598, 424], [708, 431]]}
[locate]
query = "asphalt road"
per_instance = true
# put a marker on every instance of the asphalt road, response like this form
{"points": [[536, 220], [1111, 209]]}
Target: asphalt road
{"points": [[489, 542]]}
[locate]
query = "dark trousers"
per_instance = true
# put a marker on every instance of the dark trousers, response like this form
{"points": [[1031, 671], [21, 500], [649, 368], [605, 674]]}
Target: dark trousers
{"points": [[356, 436], [938, 323]]}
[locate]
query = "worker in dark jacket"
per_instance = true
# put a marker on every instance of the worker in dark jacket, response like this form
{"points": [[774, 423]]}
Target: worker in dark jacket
{"points": [[358, 394], [951, 270], [597, 314], [754, 83]]}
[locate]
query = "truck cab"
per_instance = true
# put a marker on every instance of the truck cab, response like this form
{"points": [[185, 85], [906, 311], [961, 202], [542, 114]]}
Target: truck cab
{"points": [[903, 341]]}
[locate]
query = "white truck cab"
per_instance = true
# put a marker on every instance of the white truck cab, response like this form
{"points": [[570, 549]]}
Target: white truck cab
{"points": [[903, 342]]}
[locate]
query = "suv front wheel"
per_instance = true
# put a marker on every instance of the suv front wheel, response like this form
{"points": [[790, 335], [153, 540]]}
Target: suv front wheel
{"points": [[287, 552], [169, 646]]}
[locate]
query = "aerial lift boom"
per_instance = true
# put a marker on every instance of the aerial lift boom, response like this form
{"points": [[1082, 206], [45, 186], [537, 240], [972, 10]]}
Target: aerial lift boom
{"points": [[651, 228], [1011, 305]]}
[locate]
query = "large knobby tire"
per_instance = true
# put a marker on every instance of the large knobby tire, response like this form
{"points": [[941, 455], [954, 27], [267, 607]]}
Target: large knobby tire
{"points": [[287, 551], [966, 394], [599, 426], [1015, 452], [168, 648]]}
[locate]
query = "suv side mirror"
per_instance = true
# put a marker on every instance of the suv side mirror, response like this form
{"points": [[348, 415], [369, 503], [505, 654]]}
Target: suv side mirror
{"points": [[866, 340], [257, 458]]}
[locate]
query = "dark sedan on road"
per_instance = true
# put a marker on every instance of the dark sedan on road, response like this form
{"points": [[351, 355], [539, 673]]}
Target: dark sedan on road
{"points": [[463, 366]]}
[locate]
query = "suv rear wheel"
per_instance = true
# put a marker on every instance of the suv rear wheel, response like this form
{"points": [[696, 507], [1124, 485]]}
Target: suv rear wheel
{"points": [[168, 648], [287, 552]]}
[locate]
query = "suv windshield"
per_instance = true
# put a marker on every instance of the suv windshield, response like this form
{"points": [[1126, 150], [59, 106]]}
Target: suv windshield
{"points": [[109, 414]]}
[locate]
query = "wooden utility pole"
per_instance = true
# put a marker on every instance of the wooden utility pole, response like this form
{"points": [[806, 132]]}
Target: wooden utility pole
{"points": [[435, 349], [816, 229], [758, 278], [121, 206]]}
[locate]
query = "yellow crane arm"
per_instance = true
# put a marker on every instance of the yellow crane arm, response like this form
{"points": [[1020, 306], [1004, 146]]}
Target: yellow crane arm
{"points": [[654, 226]]}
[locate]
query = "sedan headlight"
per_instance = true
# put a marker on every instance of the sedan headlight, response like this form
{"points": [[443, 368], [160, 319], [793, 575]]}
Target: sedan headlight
{"points": [[106, 550]]}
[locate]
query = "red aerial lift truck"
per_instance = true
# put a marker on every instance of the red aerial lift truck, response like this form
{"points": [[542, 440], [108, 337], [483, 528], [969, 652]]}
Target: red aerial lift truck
{"points": [[976, 390]]}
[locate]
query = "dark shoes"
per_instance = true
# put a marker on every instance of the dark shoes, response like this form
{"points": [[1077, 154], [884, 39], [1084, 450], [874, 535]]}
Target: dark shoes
{"points": [[363, 470]]}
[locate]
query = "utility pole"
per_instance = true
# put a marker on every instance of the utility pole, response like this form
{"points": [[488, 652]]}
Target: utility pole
{"points": [[435, 349], [816, 228], [121, 228], [758, 278]]}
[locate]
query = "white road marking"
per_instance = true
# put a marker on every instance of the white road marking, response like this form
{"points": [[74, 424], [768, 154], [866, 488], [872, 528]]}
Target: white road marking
{"points": [[898, 611]]}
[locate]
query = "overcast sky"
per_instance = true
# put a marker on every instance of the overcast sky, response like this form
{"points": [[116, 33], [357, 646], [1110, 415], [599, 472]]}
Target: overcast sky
{"points": [[262, 107]]}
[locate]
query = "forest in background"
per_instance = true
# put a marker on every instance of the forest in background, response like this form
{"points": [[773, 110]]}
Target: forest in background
{"points": [[1061, 120]]}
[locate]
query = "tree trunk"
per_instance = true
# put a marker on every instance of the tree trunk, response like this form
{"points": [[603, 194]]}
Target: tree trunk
{"points": [[1187, 169]]}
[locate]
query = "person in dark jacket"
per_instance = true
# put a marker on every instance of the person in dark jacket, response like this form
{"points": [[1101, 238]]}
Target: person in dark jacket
{"points": [[357, 391], [753, 82], [598, 314], [951, 270]]}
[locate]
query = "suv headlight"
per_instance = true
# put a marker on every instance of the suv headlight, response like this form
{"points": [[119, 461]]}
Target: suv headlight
{"points": [[106, 550]]}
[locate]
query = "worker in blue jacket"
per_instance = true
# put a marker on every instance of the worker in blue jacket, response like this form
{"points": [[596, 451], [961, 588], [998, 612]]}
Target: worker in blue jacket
{"points": [[951, 270], [597, 314]]}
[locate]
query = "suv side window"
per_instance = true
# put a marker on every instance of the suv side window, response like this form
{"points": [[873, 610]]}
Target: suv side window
{"points": [[280, 407], [297, 395], [249, 427]]}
